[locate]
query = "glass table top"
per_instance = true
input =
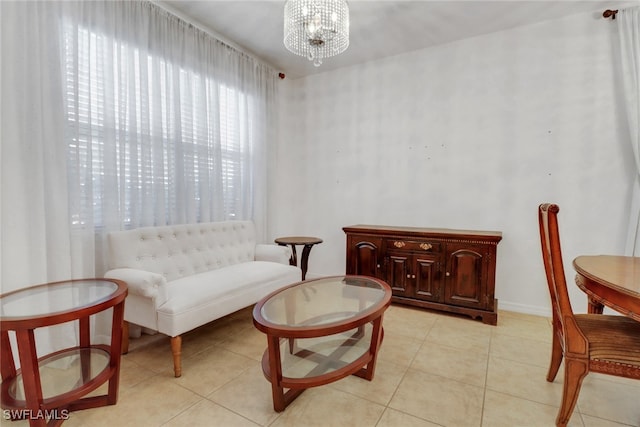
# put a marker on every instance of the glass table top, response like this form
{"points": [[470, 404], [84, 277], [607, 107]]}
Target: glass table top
{"points": [[323, 301], [55, 298]]}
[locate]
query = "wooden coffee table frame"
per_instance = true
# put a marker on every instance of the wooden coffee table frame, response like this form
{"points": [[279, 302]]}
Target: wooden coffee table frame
{"points": [[363, 367], [72, 400]]}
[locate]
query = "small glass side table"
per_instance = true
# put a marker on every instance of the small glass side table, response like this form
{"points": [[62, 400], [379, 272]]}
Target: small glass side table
{"points": [[307, 242], [45, 390]]}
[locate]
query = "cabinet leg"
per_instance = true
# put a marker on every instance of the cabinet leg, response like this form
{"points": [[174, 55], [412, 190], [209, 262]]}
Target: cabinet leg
{"points": [[490, 318]]}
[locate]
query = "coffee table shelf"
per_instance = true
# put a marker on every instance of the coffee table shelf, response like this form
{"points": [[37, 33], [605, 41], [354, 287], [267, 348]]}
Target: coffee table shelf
{"points": [[320, 331]]}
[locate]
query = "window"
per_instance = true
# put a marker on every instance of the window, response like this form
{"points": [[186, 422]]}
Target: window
{"points": [[149, 141]]}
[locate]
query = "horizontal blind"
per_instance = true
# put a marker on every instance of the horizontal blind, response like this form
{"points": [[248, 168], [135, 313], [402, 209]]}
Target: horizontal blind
{"points": [[149, 141]]}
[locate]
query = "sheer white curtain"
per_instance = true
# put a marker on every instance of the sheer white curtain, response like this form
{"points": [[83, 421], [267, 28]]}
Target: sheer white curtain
{"points": [[35, 243], [167, 124], [628, 21], [116, 115]]}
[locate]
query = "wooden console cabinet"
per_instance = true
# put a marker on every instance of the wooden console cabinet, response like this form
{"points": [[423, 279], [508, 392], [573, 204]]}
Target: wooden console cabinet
{"points": [[440, 269]]}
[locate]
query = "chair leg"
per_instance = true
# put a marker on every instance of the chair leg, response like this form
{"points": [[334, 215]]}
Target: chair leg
{"points": [[176, 349], [556, 358], [125, 338], [574, 373]]}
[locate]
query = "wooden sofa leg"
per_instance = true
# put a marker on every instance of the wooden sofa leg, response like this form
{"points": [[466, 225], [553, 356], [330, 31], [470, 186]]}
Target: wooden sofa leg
{"points": [[125, 338], [176, 349]]}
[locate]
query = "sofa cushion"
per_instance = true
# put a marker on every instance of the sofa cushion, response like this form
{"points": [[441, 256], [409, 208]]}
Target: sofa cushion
{"points": [[183, 250], [200, 298]]}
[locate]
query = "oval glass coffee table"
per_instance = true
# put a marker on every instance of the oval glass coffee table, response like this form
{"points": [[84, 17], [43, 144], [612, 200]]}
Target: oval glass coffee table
{"points": [[319, 331]]}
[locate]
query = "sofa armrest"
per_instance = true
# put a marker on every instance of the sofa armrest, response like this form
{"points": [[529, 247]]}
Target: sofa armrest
{"points": [[273, 253], [144, 283]]}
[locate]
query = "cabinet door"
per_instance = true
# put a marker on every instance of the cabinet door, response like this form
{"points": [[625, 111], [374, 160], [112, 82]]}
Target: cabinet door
{"points": [[425, 276], [398, 273], [413, 275], [466, 281], [363, 256]]}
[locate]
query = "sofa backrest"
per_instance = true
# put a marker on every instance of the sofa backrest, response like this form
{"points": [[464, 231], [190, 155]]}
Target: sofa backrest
{"points": [[181, 250]]}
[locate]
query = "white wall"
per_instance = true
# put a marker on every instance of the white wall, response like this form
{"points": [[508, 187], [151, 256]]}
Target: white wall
{"points": [[473, 135]]}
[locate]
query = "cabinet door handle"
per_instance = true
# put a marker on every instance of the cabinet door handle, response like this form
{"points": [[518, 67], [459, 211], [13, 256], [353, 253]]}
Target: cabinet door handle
{"points": [[447, 274], [408, 276], [413, 276], [399, 244], [377, 265]]}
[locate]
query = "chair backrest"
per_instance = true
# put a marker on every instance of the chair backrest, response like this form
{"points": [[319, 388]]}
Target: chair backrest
{"points": [[552, 257]]}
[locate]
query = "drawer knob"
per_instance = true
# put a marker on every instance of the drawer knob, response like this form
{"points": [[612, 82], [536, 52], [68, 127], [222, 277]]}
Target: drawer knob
{"points": [[399, 244], [447, 274], [408, 276], [425, 246]]}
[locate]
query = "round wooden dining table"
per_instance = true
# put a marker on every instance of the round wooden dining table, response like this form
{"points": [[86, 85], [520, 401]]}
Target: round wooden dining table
{"points": [[612, 281]]}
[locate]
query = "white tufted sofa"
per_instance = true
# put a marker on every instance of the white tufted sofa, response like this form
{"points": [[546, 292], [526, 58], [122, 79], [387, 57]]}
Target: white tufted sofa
{"points": [[184, 276]]}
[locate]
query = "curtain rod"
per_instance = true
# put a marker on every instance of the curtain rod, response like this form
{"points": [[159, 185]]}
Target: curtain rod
{"points": [[609, 13], [211, 32]]}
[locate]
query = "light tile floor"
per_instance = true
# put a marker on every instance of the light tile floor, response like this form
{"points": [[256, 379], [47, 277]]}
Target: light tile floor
{"points": [[433, 370]]}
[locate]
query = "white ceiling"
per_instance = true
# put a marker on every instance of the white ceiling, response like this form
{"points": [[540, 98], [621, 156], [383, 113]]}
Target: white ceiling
{"points": [[378, 28]]}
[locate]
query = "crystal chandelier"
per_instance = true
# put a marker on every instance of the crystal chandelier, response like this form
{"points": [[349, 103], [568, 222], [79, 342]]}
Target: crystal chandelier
{"points": [[316, 29]]}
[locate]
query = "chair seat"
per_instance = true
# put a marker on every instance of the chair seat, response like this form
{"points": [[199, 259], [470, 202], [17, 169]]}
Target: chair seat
{"points": [[612, 339]]}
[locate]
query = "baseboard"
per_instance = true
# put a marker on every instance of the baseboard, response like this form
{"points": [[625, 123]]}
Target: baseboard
{"points": [[525, 309]]}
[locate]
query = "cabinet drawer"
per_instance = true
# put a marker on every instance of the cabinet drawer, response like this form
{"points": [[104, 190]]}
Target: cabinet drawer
{"points": [[414, 245]]}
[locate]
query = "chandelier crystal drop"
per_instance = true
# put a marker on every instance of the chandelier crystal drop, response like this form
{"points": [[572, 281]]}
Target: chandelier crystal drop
{"points": [[316, 29]]}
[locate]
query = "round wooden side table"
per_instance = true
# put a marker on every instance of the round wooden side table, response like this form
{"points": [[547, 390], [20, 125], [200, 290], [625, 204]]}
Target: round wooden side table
{"points": [[305, 241], [45, 390]]}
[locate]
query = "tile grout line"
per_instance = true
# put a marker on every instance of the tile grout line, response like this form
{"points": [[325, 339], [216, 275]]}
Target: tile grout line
{"points": [[486, 379]]}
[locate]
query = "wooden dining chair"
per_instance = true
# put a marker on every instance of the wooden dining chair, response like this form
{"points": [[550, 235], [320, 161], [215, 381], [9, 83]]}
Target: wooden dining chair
{"points": [[608, 344]]}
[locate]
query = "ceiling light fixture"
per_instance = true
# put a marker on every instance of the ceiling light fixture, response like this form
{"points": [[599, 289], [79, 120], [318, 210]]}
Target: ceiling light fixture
{"points": [[316, 29]]}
